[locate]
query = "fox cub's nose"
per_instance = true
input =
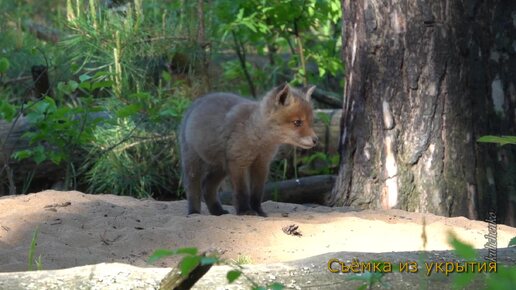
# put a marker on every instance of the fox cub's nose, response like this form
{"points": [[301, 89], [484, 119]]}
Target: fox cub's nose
{"points": [[315, 140]]}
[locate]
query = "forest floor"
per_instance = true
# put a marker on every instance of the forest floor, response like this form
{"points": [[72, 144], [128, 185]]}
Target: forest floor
{"points": [[76, 229]]}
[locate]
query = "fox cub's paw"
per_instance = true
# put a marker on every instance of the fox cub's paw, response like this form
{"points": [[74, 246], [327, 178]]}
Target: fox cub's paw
{"points": [[261, 213], [219, 212], [246, 212], [252, 212]]}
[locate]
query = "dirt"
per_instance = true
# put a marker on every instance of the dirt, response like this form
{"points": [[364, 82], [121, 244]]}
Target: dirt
{"points": [[76, 229]]}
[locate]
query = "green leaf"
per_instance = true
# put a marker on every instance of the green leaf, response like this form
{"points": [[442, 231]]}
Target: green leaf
{"points": [[74, 67], [39, 154], [187, 251], [324, 117], [68, 87], [163, 253], [188, 264], [512, 242], [4, 64], [128, 111], [102, 84], [7, 111], [40, 107], [100, 74], [141, 96], [168, 112], [51, 104], [32, 248], [233, 275], [84, 77], [504, 278], [462, 280], [73, 85], [160, 254], [209, 260], [56, 157], [276, 286], [502, 140], [461, 249], [166, 76], [85, 85], [22, 154]]}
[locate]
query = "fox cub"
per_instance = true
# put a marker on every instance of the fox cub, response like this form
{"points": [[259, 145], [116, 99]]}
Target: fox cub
{"points": [[223, 134]]}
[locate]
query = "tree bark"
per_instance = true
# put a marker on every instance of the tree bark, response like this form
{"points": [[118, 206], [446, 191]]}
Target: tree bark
{"points": [[426, 79]]}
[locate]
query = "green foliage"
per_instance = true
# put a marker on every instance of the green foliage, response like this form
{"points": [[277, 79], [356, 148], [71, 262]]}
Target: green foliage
{"points": [[512, 242], [136, 153], [466, 252], [325, 118], [502, 140], [370, 279], [242, 260], [125, 159], [503, 279], [191, 259], [61, 129], [4, 65], [125, 65], [462, 249], [320, 163], [7, 110], [233, 275], [273, 27], [32, 250], [133, 42], [163, 253]]}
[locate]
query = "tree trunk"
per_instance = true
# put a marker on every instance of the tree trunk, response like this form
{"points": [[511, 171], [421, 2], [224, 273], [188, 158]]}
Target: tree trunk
{"points": [[426, 79]]}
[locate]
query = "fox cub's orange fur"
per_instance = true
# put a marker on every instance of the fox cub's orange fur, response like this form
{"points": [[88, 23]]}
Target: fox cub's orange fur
{"points": [[224, 134]]}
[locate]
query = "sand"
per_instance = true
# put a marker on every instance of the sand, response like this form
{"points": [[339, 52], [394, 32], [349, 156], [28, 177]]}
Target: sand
{"points": [[76, 229]]}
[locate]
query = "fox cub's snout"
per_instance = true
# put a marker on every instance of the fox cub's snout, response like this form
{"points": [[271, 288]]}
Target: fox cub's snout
{"points": [[226, 135]]}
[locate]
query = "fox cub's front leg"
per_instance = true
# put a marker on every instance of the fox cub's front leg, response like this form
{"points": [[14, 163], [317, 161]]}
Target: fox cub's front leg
{"points": [[240, 181], [258, 175]]}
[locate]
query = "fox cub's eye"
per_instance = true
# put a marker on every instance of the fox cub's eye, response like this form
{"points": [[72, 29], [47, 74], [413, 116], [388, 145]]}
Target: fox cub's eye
{"points": [[298, 123]]}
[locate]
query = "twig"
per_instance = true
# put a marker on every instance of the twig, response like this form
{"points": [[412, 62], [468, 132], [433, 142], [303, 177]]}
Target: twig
{"points": [[240, 51]]}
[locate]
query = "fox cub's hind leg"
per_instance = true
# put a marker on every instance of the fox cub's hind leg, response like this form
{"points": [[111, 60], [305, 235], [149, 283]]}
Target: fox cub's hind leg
{"points": [[210, 184], [192, 180]]}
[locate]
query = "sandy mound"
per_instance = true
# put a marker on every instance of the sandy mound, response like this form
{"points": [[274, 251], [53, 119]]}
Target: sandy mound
{"points": [[79, 229]]}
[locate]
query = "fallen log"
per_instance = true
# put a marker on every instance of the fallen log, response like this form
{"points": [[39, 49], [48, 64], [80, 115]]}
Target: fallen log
{"points": [[311, 189], [327, 99]]}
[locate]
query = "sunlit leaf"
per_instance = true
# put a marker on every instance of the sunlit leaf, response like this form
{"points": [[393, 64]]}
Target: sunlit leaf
{"points": [[160, 254], [233, 275], [4, 64], [188, 264], [463, 250], [512, 242], [502, 140], [128, 111]]}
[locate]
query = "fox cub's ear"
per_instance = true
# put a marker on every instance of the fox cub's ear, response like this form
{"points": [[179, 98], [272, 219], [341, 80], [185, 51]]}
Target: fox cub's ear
{"points": [[283, 95], [308, 92]]}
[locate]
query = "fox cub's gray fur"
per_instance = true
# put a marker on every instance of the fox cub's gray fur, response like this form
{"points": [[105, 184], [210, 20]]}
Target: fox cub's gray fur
{"points": [[224, 134]]}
